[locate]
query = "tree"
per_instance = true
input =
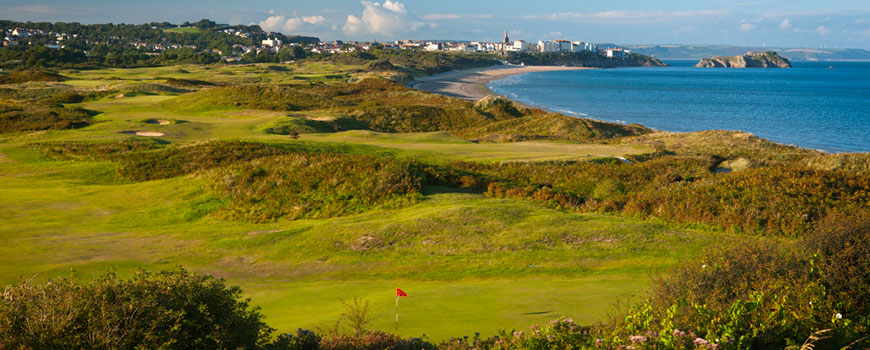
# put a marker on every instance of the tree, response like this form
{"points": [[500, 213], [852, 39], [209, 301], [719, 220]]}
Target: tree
{"points": [[165, 310]]}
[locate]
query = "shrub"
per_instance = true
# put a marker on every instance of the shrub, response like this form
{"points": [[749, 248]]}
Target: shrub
{"points": [[761, 297], [24, 76], [177, 161], [32, 117], [301, 185], [112, 150], [559, 334], [166, 310]]}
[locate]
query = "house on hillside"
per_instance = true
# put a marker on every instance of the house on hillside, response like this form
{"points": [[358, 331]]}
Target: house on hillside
{"points": [[616, 52], [21, 33]]}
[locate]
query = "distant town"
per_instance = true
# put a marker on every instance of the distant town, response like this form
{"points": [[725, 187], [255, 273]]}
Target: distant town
{"points": [[257, 42]]}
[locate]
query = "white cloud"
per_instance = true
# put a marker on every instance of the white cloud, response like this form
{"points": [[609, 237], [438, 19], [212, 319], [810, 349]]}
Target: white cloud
{"points": [[822, 30], [785, 24], [386, 19], [271, 11], [748, 27], [289, 25]]}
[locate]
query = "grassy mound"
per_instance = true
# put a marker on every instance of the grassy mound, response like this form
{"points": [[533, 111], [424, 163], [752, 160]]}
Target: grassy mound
{"points": [[152, 88], [24, 76], [111, 150], [289, 125], [722, 143], [550, 127], [850, 162], [304, 185], [31, 117], [256, 96]]}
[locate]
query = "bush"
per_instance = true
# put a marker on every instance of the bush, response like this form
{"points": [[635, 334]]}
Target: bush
{"points": [[166, 310], [303, 340], [113, 150], [24, 76], [761, 297], [559, 334], [301, 185], [32, 117]]}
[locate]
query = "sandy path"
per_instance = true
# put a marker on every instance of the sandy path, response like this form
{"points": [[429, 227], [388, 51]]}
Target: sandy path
{"points": [[471, 84]]}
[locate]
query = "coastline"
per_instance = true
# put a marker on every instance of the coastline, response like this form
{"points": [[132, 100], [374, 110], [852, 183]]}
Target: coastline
{"points": [[470, 84]]}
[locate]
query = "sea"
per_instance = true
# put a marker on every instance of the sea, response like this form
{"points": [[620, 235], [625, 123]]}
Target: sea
{"points": [[818, 105]]}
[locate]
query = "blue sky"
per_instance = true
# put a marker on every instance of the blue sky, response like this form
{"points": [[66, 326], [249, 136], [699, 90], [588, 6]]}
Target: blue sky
{"points": [[784, 23]]}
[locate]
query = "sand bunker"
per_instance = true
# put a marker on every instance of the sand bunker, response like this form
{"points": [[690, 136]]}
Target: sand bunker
{"points": [[144, 133], [158, 121]]}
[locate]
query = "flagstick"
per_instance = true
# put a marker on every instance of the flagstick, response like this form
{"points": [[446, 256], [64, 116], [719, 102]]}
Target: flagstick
{"points": [[397, 312]]}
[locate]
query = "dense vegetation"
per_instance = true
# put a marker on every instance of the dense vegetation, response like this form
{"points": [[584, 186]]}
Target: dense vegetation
{"points": [[584, 59], [30, 75], [111, 44], [173, 309], [762, 297], [682, 189], [165, 310], [303, 185], [31, 117], [414, 62]]}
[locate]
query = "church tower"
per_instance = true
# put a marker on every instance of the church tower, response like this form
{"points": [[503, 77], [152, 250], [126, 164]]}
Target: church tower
{"points": [[506, 39]]}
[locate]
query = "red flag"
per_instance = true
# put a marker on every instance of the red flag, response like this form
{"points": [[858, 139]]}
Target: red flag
{"points": [[400, 293]]}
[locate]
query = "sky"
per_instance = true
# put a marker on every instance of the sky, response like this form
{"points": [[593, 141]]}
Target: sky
{"points": [[774, 23]]}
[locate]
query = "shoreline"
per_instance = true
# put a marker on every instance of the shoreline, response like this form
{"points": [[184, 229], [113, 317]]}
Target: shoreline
{"points": [[470, 84]]}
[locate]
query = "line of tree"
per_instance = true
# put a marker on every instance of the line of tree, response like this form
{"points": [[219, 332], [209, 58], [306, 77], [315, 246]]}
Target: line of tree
{"points": [[101, 45]]}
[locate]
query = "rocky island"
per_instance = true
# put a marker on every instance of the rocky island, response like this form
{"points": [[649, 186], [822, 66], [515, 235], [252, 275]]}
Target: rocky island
{"points": [[765, 59]]}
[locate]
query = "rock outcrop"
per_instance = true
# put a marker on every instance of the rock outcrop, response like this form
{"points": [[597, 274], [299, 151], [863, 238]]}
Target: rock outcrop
{"points": [[767, 59]]}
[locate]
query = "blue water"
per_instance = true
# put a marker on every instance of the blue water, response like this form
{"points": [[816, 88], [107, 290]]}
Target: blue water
{"points": [[810, 105]]}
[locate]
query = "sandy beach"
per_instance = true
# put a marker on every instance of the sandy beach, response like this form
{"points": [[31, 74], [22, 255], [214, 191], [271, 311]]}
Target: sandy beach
{"points": [[470, 84]]}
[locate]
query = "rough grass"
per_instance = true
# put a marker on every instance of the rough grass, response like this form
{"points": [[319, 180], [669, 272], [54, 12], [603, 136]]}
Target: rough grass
{"points": [[74, 214], [24, 76]]}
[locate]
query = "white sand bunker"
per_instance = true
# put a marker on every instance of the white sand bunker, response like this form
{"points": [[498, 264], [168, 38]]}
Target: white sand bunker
{"points": [[143, 133], [158, 121]]}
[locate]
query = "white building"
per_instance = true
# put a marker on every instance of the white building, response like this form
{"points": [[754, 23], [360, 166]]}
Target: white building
{"points": [[564, 45], [522, 46], [271, 43], [579, 46], [433, 47], [616, 53], [548, 46]]}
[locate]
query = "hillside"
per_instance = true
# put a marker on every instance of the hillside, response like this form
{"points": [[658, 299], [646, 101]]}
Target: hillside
{"points": [[767, 59], [584, 59]]}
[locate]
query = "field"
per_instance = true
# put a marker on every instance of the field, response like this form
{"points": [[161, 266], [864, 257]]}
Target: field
{"points": [[470, 262]]}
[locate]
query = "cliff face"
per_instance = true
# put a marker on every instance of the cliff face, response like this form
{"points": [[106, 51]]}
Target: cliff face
{"points": [[768, 59]]}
